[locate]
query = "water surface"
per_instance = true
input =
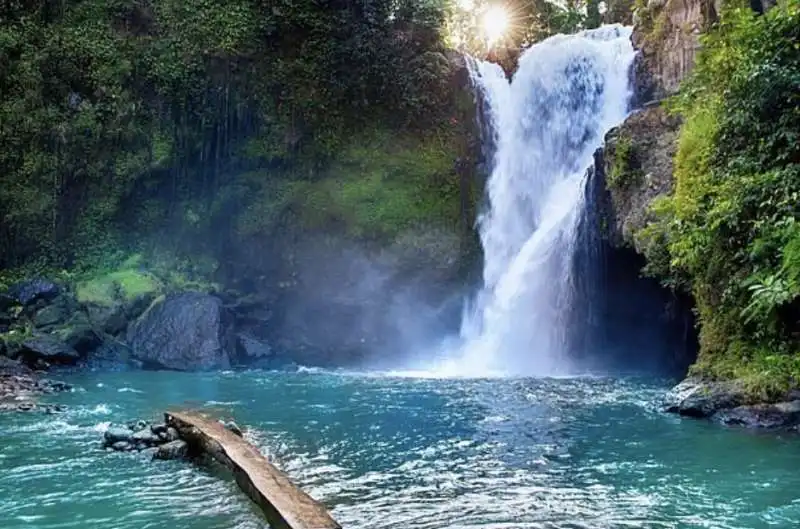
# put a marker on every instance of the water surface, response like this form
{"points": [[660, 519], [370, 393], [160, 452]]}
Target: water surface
{"points": [[391, 452]]}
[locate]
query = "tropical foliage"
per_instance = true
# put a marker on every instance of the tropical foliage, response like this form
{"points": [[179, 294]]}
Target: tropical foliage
{"points": [[732, 226]]}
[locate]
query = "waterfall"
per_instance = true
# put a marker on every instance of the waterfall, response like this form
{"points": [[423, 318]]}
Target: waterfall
{"points": [[568, 91]]}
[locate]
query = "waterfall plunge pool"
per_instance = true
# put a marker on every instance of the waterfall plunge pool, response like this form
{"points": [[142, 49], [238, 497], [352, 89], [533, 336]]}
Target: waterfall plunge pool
{"points": [[395, 452]]}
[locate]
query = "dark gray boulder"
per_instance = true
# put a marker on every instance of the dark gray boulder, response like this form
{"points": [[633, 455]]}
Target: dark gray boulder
{"points": [[47, 349], [117, 434], [49, 316], [782, 415], [173, 450], [253, 352], [110, 319], [111, 356], [183, 332], [122, 446], [13, 367], [26, 292]]}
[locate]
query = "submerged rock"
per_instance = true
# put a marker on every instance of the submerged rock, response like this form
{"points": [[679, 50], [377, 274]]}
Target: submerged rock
{"points": [[172, 450], [185, 332]]}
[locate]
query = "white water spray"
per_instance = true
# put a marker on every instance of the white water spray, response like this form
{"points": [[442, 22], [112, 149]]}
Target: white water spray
{"points": [[567, 93]]}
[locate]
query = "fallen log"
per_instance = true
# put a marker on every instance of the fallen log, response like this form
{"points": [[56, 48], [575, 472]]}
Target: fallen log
{"points": [[283, 503]]}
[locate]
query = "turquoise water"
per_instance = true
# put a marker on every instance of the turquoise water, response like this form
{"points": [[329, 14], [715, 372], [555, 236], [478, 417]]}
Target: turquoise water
{"points": [[393, 452]]}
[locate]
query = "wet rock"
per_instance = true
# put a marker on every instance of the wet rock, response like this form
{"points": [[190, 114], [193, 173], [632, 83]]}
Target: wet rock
{"points": [[701, 399], [49, 316], [158, 429], [110, 319], [172, 450], [782, 415], [122, 446], [172, 434], [233, 427], [116, 435], [252, 351], [111, 356], [9, 366], [138, 425], [185, 332], [79, 334], [145, 437], [27, 292], [47, 349]]}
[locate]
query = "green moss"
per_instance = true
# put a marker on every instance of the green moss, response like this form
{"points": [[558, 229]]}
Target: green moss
{"points": [[17, 334], [766, 375], [379, 186], [624, 171], [121, 285]]}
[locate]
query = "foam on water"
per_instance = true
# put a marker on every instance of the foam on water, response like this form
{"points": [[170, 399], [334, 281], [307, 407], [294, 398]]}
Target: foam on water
{"points": [[386, 452]]}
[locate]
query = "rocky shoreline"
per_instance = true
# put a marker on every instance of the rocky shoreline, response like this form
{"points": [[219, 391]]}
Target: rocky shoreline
{"points": [[20, 388], [129, 322], [727, 403]]}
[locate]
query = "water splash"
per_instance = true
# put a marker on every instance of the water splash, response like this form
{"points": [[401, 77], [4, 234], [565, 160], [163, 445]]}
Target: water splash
{"points": [[567, 93]]}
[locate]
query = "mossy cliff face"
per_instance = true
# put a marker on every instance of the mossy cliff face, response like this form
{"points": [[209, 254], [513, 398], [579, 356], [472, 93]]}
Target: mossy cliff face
{"points": [[638, 164], [707, 190], [383, 230]]}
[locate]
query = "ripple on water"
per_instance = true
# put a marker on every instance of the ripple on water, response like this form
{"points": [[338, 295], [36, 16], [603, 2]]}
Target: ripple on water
{"points": [[392, 453]]}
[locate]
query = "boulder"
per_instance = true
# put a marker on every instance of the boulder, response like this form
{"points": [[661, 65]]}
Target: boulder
{"points": [[111, 356], [782, 415], [79, 335], [110, 319], [252, 351], [699, 398], [50, 315], [122, 446], [48, 349], [118, 434], [27, 292], [173, 450], [114, 299], [183, 332], [13, 367], [145, 437]]}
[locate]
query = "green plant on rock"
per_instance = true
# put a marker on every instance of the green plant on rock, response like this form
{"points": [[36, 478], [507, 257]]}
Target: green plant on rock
{"points": [[767, 295], [624, 171], [731, 225]]}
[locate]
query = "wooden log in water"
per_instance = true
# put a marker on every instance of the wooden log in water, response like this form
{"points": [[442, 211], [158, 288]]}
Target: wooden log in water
{"points": [[283, 503]]}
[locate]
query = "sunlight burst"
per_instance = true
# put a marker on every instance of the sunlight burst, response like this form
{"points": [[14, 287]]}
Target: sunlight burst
{"points": [[495, 23]]}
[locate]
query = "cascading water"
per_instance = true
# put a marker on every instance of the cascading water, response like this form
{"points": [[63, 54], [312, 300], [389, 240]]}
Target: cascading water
{"points": [[567, 93]]}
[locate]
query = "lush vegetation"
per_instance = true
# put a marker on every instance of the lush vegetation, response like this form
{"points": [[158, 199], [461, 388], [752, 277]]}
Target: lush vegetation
{"points": [[121, 119], [624, 168], [170, 128], [732, 226]]}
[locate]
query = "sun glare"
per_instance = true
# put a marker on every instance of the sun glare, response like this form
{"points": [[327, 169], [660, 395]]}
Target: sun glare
{"points": [[495, 23]]}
